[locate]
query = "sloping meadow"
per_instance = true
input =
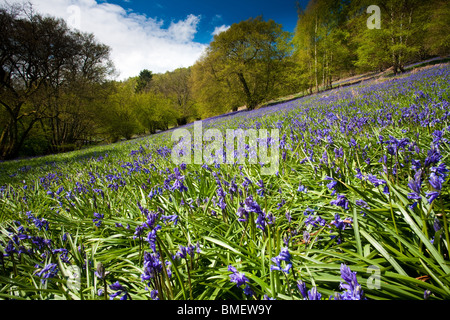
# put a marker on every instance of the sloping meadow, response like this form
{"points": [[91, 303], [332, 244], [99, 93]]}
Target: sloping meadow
{"points": [[357, 208]]}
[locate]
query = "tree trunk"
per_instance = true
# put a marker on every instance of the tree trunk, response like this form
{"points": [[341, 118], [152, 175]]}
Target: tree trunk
{"points": [[315, 57], [250, 103]]}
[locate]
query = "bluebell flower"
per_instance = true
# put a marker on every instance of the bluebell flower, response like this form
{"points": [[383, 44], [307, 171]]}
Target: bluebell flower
{"points": [[314, 221], [415, 185], [358, 174], [332, 184], [351, 285], [339, 153], [432, 195], [188, 250], [49, 271], [172, 218], [313, 294], [139, 230], [237, 277], [154, 295], [120, 290], [302, 188], [151, 237], [248, 291], [10, 249], [341, 224], [306, 236], [288, 216], [152, 266], [434, 156], [302, 288], [283, 256], [178, 185], [261, 189], [251, 205], [415, 164], [362, 204], [440, 170], [98, 219], [341, 201], [376, 182]]}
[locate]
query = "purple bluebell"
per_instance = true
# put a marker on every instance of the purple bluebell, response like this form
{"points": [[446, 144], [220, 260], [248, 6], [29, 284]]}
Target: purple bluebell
{"points": [[283, 256], [415, 185], [302, 188], [353, 290], [313, 294], [171, 218], [151, 237], [237, 277], [119, 290], [98, 219], [152, 266], [341, 224], [434, 156], [49, 271], [302, 288], [341, 201], [362, 204], [376, 182], [154, 295]]}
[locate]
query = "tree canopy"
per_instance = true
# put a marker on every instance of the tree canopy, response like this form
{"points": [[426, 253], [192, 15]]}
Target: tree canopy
{"points": [[44, 63], [247, 60]]}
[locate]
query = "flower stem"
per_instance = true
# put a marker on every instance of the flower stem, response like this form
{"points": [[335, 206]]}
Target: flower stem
{"points": [[445, 225]]}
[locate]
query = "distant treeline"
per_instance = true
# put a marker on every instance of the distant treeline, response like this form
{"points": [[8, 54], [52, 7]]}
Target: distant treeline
{"points": [[56, 92]]}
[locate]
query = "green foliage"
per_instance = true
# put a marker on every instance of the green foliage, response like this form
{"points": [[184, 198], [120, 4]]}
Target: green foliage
{"points": [[243, 64], [143, 81], [48, 75], [132, 182]]}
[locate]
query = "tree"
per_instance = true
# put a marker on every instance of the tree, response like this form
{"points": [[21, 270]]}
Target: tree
{"points": [[322, 42], [154, 111], [214, 92], [398, 41], [176, 86], [40, 58], [248, 59], [117, 117], [437, 37], [143, 81]]}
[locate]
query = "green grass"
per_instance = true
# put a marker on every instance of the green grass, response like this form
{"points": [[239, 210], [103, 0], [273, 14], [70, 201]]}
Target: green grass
{"points": [[391, 244]]}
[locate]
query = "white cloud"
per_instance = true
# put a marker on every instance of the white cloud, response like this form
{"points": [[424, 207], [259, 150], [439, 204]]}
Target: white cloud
{"points": [[137, 42], [220, 29]]}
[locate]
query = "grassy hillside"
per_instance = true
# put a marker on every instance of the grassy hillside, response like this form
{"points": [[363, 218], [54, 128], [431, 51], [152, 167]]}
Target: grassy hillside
{"points": [[358, 208]]}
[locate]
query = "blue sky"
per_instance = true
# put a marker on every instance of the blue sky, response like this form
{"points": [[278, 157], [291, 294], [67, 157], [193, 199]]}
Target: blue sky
{"points": [[216, 13], [161, 35]]}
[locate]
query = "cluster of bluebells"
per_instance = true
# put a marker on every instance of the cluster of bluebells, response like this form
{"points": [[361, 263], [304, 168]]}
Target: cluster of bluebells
{"points": [[352, 289], [283, 256], [98, 219], [119, 291], [48, 271], [241, 280], [436, 179], [315, 129], [311, 294], [249, 206], [187, 250]]}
